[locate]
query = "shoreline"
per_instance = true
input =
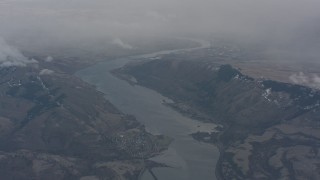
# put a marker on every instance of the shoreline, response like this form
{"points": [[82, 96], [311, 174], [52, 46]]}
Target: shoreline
{"points": [[239, 132], [174, 106], [147, 57]]}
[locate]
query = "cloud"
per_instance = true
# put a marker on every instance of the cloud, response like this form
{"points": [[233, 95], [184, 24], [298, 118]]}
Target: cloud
{"points": [[299, 78], [156, 16], [308, 80], [46, 72], [316, 78], [118, 42], [288, 27], [11, 56], [49, 59]]}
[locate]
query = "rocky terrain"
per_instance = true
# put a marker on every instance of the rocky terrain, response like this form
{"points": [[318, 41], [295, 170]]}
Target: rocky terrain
{"points": [[269, 129], [54, 126]]}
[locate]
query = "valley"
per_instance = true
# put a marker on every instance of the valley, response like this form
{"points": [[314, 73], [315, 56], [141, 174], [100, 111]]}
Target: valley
{"points": [[269, 129], [265, 126], [53, 125]]}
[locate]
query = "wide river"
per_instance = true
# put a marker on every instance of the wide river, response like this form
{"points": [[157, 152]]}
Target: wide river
{"points": [[187, 158]]}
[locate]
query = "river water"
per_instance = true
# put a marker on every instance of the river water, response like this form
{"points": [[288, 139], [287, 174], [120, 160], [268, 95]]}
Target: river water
{"points": [[187, 158]]}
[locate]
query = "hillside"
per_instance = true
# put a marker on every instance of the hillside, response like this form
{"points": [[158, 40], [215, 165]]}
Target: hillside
{"points": [[270, 129], [54, 126]]}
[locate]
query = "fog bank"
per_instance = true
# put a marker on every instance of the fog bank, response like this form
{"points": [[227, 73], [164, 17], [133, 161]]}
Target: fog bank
{"points": [[288, 25]]}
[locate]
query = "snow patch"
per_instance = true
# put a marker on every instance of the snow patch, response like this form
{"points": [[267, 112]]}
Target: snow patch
{"points": [[266, 94], [46, 72]]}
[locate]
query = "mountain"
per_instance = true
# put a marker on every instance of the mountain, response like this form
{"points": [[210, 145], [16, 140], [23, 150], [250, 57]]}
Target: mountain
{"points": [[269, 129], [54, 126]]}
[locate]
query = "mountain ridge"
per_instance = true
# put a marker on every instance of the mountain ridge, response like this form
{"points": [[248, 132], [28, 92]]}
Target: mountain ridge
{"points": [[263, 120]]}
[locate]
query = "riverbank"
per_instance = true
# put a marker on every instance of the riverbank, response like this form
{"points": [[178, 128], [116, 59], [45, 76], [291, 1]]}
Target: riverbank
{"points": [[63, 127], [260, 118], [147, 106]]}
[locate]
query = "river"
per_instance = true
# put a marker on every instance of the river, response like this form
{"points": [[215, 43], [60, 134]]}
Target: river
{"points": [[187, 158]]}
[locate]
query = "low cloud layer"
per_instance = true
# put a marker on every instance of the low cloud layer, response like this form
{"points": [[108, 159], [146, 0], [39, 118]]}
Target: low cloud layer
{"points": [[48, 59], [118, 42], [244, 17], [303, 79], [286, 26], [11, 56]]}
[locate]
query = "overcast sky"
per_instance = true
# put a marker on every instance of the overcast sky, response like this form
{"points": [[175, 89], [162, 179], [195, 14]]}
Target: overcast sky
{"points": [[267, 19]]}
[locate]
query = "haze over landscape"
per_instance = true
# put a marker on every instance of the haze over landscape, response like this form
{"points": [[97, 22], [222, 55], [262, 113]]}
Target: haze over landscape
{"points": [[159, 89], [45, 20]]}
